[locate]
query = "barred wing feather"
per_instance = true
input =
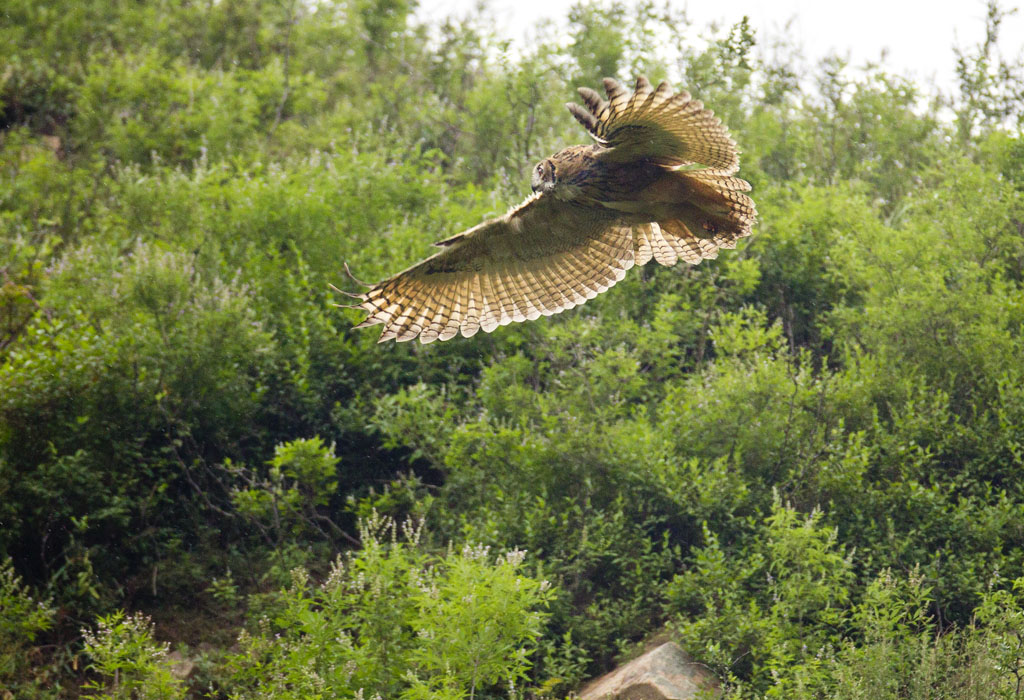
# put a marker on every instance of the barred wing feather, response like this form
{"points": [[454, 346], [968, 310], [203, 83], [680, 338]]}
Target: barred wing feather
{"points": [[541, 258]]}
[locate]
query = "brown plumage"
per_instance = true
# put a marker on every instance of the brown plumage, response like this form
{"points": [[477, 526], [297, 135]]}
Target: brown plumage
{"points": [[657, 184]]}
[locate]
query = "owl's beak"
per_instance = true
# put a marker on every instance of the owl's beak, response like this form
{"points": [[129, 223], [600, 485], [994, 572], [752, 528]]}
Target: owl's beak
{"points": [[538, 184]]}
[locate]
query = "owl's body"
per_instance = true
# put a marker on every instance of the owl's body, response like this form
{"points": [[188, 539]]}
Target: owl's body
{"points": [[578, 174], [636, 192], [657, 184]]}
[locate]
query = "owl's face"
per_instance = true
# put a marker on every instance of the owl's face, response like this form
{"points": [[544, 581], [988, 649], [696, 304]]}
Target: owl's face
{"points": [[543, 179]]}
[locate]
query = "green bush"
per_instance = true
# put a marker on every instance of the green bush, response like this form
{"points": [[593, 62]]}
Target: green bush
{"points": [[394, 621], [804, 458], [129, 661], [22, 619]]}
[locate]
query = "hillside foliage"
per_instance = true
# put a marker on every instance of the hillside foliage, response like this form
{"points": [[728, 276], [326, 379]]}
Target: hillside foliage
{"points": [[804, 460]]}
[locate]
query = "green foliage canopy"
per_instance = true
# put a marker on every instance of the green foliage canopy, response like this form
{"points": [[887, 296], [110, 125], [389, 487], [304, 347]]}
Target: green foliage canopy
{"points": [[802, 459]]}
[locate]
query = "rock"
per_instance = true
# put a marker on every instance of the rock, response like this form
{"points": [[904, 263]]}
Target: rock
{"points": [[182, 667], [663, 673]]}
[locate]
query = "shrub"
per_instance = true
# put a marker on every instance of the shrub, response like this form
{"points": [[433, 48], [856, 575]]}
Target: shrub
{"points": [[22, 619], [393, 620], [131, 664]]}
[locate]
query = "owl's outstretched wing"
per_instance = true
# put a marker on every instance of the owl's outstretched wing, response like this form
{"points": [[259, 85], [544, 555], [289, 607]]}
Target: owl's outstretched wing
{"points": [[542, 257], [657, 125]]}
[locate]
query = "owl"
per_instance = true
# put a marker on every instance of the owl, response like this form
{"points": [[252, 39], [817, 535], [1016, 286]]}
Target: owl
{"points": [[657, 184]]}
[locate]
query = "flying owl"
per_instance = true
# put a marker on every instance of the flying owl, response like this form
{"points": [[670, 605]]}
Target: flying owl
{"points": [[658, 183]]}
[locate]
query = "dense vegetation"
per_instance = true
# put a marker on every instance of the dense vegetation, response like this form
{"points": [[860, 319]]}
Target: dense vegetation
{"points": [[804, 460]]}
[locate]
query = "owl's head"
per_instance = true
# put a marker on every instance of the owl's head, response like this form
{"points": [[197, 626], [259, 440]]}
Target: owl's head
{"points": [[543, 179]]}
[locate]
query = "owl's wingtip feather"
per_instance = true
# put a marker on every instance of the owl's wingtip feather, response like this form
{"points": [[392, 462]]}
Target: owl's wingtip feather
{"points": [[366, 323], [353, 277], [587, 119]]}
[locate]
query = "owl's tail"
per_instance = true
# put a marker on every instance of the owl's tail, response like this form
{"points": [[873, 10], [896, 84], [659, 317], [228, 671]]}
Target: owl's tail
{"points": [[703, 211]]}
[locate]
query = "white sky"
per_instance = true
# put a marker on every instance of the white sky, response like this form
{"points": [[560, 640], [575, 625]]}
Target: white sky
{"points": [[918, 35]]}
